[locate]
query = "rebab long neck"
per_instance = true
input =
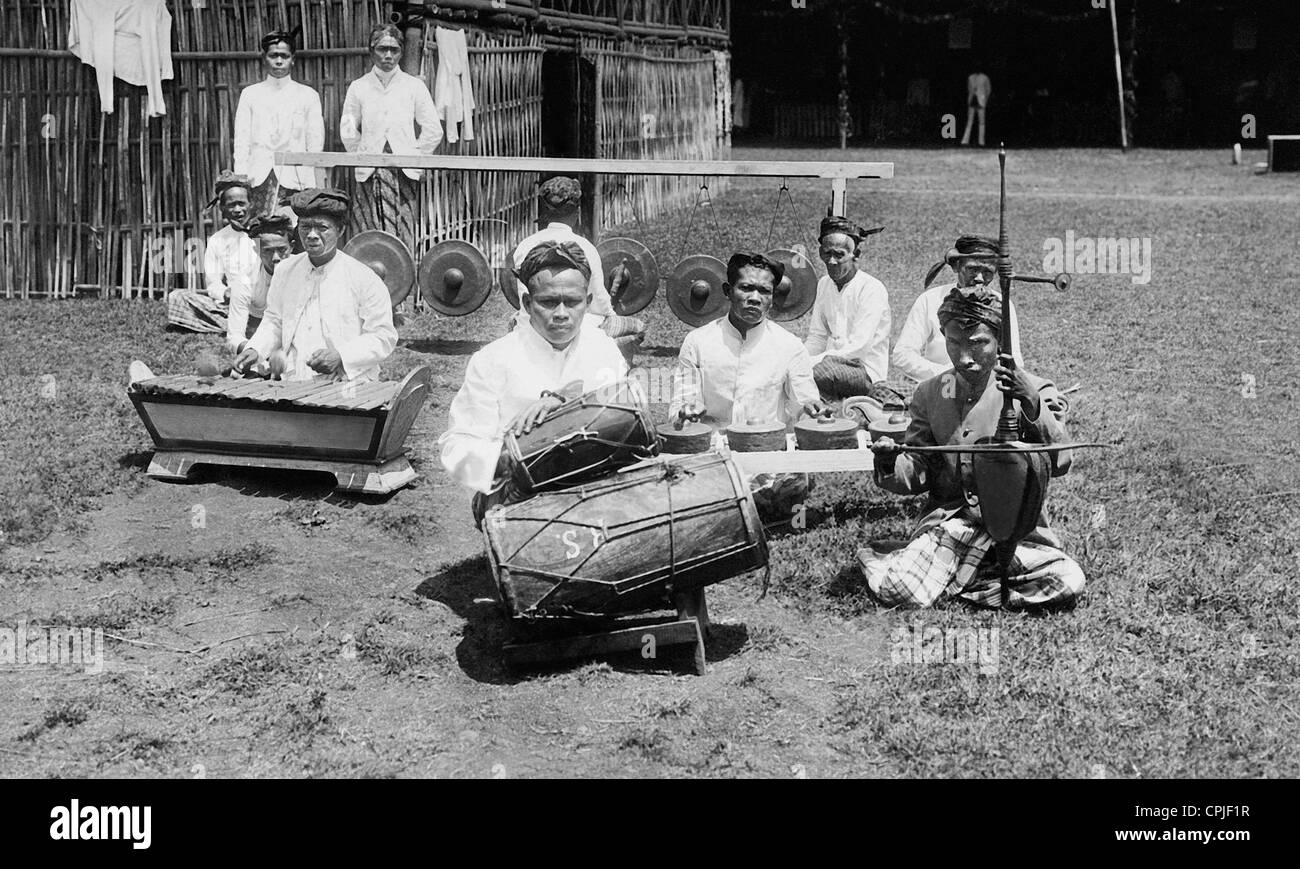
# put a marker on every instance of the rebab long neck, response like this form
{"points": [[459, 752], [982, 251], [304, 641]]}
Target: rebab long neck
{"points": [[1008, 421]]}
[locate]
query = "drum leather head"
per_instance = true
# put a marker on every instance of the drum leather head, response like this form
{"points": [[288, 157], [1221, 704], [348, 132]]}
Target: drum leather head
{"points": [[455, 278], [695, 289], [797, 290], [631, 274], [388, 256]]}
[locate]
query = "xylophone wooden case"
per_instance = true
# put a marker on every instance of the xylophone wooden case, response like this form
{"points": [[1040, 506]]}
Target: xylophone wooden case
{"points": [[355, 431]]}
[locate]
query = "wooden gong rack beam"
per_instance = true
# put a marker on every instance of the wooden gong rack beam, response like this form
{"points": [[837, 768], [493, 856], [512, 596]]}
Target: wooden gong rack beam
{"points": [[837, 172]]}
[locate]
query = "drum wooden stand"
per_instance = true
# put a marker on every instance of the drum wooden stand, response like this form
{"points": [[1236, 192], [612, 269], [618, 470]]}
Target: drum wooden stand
{"points": [[647, 635]]}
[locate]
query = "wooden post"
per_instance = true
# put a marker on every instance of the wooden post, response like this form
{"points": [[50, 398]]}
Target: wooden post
{"points": [[845, 118], [1119, 77]]}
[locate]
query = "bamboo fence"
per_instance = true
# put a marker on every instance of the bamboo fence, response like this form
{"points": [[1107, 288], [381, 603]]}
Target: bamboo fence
{"points": [[662, 104], [116, 204], [490, 209]]}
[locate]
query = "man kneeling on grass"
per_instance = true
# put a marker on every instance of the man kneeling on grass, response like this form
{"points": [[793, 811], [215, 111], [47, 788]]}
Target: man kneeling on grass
{"points": [[950, 552]]}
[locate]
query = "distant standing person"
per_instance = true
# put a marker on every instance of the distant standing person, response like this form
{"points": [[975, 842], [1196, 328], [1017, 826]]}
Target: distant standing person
{"points": [[381, 114], [277, 114], [978, 90]]}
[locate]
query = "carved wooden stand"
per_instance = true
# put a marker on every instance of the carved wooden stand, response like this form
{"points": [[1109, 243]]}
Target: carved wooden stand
{"points": [[690, 627]]}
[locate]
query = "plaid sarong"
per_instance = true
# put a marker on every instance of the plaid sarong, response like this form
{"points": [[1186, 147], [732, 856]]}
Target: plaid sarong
{"points": [[265, 197], [955, 558], [196, 311]]}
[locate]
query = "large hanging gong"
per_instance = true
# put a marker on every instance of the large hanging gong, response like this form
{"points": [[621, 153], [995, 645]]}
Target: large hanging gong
{"points": [[797, 290], [631, 274], [389, 257], [509, 284], [455, 278], [695, 289]]}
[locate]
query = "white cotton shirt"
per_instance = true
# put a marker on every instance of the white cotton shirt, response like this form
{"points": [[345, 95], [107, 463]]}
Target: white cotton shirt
{"points": [[764, 375], [377, 114], [853, 322], [601, 306], [921, 352], [278, 114], [507, 376], [343, 305], [246, 302], [229, 258]]}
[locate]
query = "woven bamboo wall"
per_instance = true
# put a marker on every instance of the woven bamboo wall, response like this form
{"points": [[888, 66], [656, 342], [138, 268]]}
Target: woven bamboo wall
{"points": [[491, 209], [660, 105], [117, 203]]}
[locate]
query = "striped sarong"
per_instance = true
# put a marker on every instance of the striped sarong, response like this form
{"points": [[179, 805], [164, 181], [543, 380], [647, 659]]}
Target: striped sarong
{"points": [[196, 311], [838, 377], [627, 332], [955, 558], [386, 200]]}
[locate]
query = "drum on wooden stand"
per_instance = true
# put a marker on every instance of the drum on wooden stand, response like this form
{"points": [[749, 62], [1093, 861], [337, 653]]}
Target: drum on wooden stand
{"points": [[600, 432], [625, 544]]}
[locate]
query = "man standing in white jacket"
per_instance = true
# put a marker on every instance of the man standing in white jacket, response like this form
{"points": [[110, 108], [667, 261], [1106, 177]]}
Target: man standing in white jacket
{"points": [[380, 114], [277, 114]]}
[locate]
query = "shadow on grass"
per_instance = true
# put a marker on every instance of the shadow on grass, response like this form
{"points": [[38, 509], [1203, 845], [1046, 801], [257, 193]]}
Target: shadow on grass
{"points": [[659, 352], [281, 485], [139, 460], [444, 346], [466, 589]]}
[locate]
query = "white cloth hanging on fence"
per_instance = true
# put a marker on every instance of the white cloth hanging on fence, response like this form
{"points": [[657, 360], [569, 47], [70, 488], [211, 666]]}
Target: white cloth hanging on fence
{"points": [[453, 91], [130, 39]]}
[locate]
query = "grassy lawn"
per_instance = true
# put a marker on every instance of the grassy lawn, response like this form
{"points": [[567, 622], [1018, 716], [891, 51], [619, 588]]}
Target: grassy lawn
{"points": [[289, 631]]}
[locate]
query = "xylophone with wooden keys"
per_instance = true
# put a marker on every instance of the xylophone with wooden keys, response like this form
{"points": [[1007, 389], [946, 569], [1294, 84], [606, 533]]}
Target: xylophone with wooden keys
{"points": [[353, 430]]}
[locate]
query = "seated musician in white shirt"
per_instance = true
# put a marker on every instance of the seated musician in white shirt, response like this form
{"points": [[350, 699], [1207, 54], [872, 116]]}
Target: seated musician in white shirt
{"points": [[228, 257], [328, 313], [512, 383], [743, 367], [848, 337], [558, 201], [921, 351], [273, 235]]}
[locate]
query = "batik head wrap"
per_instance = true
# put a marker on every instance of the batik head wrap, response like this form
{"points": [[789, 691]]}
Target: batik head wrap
{"points": [[832, 224], [970, 306], [315, 201], [554, 255]]}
